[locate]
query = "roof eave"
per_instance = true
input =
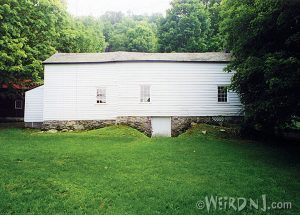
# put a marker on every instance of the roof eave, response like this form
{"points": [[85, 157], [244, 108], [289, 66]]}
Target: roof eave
{"points": [[136, 61]]}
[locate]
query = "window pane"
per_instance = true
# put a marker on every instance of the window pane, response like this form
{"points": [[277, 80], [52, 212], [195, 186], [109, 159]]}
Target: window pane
{"points": [[222, 94], [145, 93], [18, 104], [101, 95]]}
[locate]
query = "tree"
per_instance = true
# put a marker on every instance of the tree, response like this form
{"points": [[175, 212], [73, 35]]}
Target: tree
{"points": [[215, 42], [28, 30], [118, 37], [141, 38], [185, 28], [112, 17], [81, 35], [109, 20], [130, 35], [32, 30], [130, 32], [264, 38]]}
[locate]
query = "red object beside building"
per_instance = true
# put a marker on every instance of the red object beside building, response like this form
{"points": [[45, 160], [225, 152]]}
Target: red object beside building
{"points": [[12, 100]]}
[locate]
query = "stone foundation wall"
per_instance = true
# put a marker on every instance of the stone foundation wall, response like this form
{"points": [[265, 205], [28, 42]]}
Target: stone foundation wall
{"points": [[141, 123], [33, 125], [180, 124], [76, 124]]}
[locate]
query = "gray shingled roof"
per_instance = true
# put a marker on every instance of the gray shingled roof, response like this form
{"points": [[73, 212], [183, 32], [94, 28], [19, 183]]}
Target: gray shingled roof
{"points": [[61, 58]]}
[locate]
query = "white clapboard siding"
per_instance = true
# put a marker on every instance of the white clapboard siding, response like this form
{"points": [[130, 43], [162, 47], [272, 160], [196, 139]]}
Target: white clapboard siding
{"points": [[34, 105], [177, 89]]}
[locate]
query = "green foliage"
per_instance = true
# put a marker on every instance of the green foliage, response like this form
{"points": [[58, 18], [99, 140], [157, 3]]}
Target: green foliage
{"points": [[190, 26], [141, 38], [108, 20], [131, 32], [28, 30], [117, 35], [31, 31], [81, 35], [263, 36], [130, 35], [112, 17], [215, 41]]}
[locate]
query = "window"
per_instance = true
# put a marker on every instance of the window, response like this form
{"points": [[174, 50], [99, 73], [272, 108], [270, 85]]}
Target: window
{"points": [[145, 93], [222, 94], [101, 95], [18, 104]]}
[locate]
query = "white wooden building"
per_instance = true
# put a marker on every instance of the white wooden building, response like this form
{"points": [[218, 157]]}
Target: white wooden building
{"points": [[154, 88]]}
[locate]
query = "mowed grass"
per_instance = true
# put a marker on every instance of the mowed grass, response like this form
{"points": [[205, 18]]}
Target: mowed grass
{"points": [[118, 170]]}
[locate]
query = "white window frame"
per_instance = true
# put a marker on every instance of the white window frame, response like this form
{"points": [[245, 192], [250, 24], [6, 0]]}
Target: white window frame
{"points": [[101, 95], [145, 93], [20, 106], [227, 97]]}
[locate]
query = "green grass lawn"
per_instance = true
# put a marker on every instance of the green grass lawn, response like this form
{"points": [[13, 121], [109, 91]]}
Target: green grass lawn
{"points": [[117, 170]]}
